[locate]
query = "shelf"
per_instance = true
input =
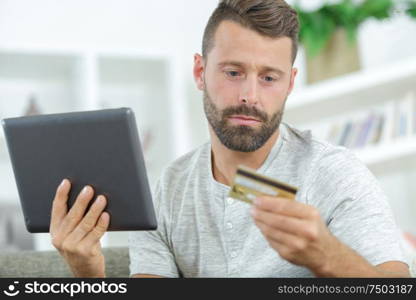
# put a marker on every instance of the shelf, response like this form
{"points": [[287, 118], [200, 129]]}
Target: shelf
{"points": [[142, 84], [376, 155], [51, 79], [150, 82], [65, 80], [353, 91]]}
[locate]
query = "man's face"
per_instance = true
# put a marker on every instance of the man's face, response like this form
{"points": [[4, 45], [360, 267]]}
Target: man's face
{"points": [[246, 79]]}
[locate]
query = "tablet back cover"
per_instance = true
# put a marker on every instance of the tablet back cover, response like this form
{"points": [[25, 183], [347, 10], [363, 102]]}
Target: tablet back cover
{"points": [[98, 148]]}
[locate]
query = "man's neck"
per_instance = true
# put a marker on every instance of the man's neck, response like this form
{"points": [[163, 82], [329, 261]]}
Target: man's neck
{"points": [[225, 161]]}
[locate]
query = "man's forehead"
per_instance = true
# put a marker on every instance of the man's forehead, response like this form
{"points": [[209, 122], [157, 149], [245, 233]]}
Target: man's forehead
{"points": [[235, 43]]}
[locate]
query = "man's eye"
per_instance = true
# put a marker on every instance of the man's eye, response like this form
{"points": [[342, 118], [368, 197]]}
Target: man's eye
{"points": [[269, 79], [233, 73]]}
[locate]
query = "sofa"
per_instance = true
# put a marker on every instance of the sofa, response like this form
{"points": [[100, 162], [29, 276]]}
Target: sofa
{"points": [[37, 264]]}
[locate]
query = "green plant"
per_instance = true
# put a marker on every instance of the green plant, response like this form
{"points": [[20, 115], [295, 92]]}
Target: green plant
{"points": [[318, 26], [411, 10]]}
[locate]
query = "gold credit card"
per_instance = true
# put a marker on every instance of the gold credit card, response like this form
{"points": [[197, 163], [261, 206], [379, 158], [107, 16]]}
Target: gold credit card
{"points": [[248, 184]]}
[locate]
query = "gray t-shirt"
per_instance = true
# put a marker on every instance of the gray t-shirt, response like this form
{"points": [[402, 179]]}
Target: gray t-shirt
{"points": [[203, 233]]}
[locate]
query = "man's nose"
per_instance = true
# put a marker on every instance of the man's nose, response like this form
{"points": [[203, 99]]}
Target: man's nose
{"points": [[249, 92]]}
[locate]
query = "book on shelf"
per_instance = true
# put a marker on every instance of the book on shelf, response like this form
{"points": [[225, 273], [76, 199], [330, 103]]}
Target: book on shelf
{"points": [[385, 123], [378, 129], [364, 130], [404, 117]]}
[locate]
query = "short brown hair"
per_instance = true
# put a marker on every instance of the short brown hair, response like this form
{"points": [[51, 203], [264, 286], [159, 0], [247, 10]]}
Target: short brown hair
{"points": [[272, 18]]}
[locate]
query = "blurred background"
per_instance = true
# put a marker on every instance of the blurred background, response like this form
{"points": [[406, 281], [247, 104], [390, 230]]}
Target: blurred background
{"points": [[356, 85]]}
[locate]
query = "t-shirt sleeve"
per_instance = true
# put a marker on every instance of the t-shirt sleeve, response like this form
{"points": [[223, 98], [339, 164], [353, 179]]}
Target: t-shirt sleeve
{"points": [[355, 207], [150, 252]]}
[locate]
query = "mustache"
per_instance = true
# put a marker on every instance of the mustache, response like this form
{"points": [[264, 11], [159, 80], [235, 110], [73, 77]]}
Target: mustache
{"points": [[245, 111]]}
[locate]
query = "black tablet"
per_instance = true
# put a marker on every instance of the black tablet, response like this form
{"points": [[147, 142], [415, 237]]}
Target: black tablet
{"points": [[98, 148]]}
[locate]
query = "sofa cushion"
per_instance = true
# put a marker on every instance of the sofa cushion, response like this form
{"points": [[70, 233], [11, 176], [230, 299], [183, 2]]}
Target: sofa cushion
{"points": [[51, 264]]}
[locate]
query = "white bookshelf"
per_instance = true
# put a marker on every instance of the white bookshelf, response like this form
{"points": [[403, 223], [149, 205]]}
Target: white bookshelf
{"points": [[150, 82], [393, 162], [353, 91], [376, 156]]}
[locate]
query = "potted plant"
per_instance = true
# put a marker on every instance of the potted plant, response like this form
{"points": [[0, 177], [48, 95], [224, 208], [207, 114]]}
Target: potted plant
{"points": [[329, 33], [411, 8]]}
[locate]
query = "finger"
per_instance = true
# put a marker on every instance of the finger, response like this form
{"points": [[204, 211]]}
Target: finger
{"points": [[280, 222], [97, 232], [281, 249], [89, 221], [77, 211], [59, 205], [285, 239], [286, 206]]}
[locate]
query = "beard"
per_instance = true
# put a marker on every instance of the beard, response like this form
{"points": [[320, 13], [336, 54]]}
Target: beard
{"points": [[241, 138]]}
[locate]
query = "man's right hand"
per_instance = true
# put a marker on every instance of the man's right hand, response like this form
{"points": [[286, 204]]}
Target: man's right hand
{"points": [[77, 237]]}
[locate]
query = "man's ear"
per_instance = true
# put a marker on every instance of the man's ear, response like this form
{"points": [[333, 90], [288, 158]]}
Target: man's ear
{"points": [[292, 79], [199, 71]]}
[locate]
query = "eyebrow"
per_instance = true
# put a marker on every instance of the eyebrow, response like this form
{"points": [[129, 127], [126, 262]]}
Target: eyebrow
{"points": [[263, 68]]}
